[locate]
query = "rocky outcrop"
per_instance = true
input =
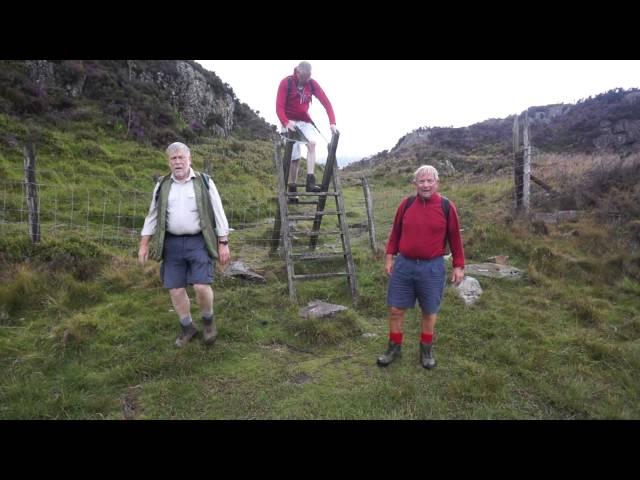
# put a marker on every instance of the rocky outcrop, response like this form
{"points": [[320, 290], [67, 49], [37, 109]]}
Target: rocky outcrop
{"points": [[191, 93], [198, 96], [618, 134]]}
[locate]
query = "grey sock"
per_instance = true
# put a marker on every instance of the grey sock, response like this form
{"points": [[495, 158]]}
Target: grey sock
{"points": [[186, 321], [207, 316]]}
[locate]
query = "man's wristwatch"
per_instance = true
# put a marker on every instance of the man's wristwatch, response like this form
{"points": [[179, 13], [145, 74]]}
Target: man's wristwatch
{"points": [[223, 242]]}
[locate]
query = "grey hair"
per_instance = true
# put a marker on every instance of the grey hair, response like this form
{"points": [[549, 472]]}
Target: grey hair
{"points": [[305, 67], [425, 170], [177, 147]]}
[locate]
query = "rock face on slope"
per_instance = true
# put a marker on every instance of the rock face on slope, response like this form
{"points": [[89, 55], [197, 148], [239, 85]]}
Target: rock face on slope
{"points": [[146, 99]]}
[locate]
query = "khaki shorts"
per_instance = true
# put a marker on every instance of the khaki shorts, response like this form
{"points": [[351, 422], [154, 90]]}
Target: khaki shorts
{"points": [[310, 133]]}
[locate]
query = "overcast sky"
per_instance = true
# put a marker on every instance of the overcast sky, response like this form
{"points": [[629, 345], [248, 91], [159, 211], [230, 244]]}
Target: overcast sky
{"points": [[378, 101]]}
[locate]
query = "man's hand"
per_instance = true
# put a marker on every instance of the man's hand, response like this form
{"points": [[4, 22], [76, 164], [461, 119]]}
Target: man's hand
{"points": [[388, 264], [333, 128], [143, 254], [291, 125], [457, 276], [223, 254], [143, 251]]}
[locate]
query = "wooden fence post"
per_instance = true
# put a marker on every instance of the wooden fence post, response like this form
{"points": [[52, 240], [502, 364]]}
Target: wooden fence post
{"points": [[369, 205], [526, 170], [522, 164], [31, 191]]}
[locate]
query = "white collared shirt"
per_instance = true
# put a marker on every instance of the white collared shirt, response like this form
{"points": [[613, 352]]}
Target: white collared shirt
{"points": [[182, 209]]}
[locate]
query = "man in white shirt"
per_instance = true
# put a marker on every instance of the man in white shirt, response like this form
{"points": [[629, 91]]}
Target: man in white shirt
{"points": [[190, 232]]}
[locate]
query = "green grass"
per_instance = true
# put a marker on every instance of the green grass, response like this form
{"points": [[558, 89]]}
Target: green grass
{"points": [[85, 333]]}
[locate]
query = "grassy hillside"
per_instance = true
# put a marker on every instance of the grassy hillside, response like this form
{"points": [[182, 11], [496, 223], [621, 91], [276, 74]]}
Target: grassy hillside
{"points": [[86, 333]]}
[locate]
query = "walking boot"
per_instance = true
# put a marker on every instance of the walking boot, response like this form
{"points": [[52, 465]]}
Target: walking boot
{"points": [[311, 184], [426, 355], [210, 332], [393, 351], [292, 189], [187, 334]]}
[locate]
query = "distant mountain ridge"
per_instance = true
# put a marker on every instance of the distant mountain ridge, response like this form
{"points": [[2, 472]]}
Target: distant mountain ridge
{"points": [[609, 122]]}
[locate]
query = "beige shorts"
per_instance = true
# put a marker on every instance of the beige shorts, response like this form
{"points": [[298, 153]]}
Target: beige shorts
{"points": [[310, 133]]}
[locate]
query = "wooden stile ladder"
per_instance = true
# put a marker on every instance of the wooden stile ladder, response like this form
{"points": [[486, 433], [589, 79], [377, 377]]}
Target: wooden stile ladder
{"points": [[282, 233]]}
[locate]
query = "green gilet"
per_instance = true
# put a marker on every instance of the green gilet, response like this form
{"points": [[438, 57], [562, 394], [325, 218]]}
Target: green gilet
{"points": [[205, 212]]}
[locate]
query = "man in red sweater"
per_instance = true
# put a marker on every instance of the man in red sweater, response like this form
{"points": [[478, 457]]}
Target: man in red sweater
{"points": [[419, 235], [292, 106]]}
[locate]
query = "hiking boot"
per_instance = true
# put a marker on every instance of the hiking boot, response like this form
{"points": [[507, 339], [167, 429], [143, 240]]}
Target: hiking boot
{"points": [[426, 355], [393, 351], [311, 184], [292, 189], [210, 332], [187, 334]]}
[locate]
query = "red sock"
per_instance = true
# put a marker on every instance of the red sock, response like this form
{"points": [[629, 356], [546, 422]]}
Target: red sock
{"points": [[396, 337], [426, 337]]}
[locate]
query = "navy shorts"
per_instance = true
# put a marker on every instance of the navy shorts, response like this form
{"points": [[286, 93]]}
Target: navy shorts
{"points": [[185, 261], [417, 279]]}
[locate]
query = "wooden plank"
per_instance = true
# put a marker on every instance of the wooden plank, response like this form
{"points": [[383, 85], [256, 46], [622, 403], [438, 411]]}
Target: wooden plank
{"points": [[526, 167], [32, 192], [309, 194], [369, 204], [544, 185], [315, 256], [282, 168], [284, 223], [311, 232], [313, 216], [326, 179], [517, 164], [313, 276], [346, 244]]}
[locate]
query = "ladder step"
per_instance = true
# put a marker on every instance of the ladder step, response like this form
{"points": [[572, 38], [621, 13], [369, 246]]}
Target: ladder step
{"points": [[313, 216], [311, 232], [307, 202], [311, 194], [313, 256], [320, 275]]}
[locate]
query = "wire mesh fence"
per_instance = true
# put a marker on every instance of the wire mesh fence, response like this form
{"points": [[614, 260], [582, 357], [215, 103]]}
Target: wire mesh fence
{"points": [[115, 217]]}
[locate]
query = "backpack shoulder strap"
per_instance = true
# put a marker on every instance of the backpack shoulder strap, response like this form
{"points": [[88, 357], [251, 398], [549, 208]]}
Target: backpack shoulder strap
{"points": [[311, 84], [411, 199], [205, 180], [162, 180], [407, 204], [445, 208]]}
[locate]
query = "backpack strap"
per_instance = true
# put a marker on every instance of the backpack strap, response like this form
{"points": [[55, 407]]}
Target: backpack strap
{"points": [[445, 208], [290, 81], [162, 180], [205, 180]]}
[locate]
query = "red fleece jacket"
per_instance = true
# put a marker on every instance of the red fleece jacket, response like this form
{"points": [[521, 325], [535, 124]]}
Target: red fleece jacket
{"points": [[296, 105], [421, 233]]}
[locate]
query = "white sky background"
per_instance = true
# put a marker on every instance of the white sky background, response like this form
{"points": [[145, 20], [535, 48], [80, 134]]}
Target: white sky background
{"points": [[378, 101]]}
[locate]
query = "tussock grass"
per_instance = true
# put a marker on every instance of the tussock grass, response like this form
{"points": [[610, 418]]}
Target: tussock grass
{"points": [[86, 333]]}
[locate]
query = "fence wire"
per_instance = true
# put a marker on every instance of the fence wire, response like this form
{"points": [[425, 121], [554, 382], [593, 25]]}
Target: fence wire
{"points": [[115, 217]]}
